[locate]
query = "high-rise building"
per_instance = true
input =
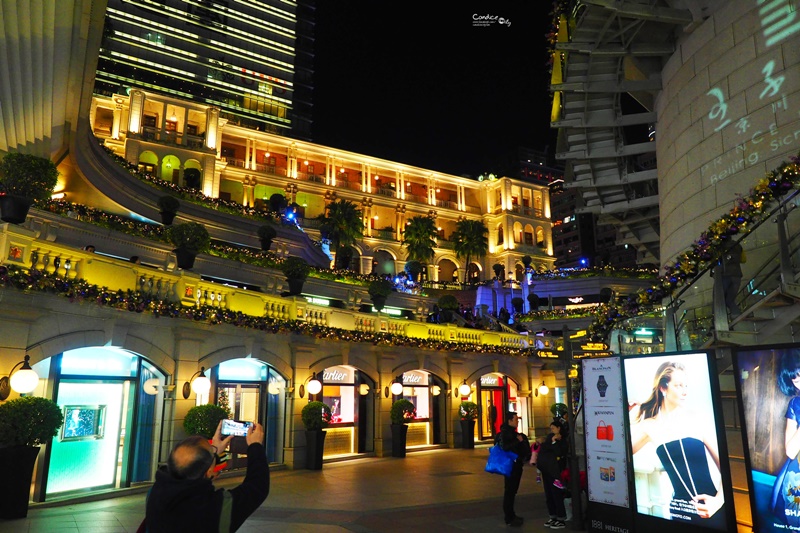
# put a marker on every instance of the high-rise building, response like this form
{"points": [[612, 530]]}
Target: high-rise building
{"points": [[251, 59]]}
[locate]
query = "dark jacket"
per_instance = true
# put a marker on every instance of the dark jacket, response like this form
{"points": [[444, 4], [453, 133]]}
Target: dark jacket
{"points": [[553, 456], [194, 505], [507, 439]]}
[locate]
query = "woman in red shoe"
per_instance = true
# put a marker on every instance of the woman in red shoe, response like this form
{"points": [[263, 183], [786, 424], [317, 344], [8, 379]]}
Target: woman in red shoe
{"points": [[552, 460]]}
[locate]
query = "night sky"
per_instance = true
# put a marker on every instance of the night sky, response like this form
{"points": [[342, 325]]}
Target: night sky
{"points": [[403, 82]]}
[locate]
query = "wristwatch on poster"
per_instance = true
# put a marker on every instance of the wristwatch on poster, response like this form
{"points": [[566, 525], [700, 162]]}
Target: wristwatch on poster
{"points": [[602, 385]]}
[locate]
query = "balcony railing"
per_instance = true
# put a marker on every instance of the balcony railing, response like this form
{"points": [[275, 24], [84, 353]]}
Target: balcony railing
{"points": [[190, 290]]}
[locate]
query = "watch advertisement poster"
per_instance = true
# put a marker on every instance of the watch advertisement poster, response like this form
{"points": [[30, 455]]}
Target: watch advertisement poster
{"points": [[679, 463], [768, 382], [606, 464]]}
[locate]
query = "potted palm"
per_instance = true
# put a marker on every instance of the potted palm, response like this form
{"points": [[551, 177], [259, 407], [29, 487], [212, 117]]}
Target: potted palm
{"points": [[25, 424], [24, 179], [168, 207], [189, 239], [468, 411], [296, 271], [266, 233], [379, 291], [403, 412], [316, 417]]}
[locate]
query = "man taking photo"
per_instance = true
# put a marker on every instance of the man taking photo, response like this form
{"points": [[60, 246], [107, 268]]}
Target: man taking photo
{"points": [[184, 499]]}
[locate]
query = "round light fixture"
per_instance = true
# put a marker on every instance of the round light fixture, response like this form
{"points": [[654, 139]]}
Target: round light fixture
{"points": [[273, 388], [396, 388], [436, 390], [315, 385], [25, 379], [201, 384], [151, 386], [543, 389], [464, 389]]}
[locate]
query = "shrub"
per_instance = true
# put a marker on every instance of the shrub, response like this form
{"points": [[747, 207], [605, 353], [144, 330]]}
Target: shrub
{"points": [[316, 416], [468, 410], [29, 421], [517, 302], [498, 270], [203, 420], [448, 302], [168, 204], [28, 176], [267, 232], [190, 236], [295, 268], [380, 287], [558, 409], [403, 412]]}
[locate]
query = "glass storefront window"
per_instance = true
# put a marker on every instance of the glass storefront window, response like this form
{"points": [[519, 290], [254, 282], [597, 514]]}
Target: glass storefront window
{"points": [[242, 370], [417, 391], [99, 361]]}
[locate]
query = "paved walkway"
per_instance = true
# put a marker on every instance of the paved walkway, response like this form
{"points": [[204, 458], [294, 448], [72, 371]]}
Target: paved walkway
{"points": [[440, 490]]}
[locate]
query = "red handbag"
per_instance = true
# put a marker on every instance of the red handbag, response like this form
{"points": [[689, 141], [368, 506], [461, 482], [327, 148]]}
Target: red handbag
{"points": [[605, 432]]}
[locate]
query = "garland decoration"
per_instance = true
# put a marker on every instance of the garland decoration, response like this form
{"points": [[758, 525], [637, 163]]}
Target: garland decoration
{"points": [[79, 290], [706, 250]]}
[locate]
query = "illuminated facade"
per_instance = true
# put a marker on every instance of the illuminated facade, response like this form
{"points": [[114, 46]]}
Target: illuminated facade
{"points": [[166, 136], [252, 59]]}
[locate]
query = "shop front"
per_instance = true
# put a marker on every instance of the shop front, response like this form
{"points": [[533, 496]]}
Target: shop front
{"points": [[497, 395], [113, 406], [346, 390], [254, 392], [424, 390]]}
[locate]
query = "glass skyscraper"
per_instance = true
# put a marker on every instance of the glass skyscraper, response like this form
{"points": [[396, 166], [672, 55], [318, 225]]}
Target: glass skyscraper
{"points": [[251, 58]]}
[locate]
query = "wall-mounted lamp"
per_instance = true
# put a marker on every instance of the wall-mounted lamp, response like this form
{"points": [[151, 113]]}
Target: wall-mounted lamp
{"points": [[436, 390], [273, 388], [314, 385], [200, 384], [173, 118], [463, 390], [543, 389], [150, 387], [363, 389], [25, 380], [397, 386]]}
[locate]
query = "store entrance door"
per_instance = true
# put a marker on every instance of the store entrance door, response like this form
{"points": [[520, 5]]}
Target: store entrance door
{"points": [[245, 404], [492, 411]]}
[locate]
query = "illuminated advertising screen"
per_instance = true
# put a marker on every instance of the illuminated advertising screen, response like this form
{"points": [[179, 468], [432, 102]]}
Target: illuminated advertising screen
{"points": [[768, 383], [679, 463]]}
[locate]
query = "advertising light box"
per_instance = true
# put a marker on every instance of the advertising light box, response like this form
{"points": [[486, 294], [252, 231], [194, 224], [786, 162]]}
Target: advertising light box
{"points": [[768, 383], [606, 461], [677, 442]]}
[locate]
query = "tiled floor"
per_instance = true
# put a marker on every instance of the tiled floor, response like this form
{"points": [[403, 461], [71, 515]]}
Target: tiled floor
{"points": [[441, 490]]}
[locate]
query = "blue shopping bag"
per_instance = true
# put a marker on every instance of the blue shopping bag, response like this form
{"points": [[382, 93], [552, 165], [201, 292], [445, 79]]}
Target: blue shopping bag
{"points": [[500, 461]]}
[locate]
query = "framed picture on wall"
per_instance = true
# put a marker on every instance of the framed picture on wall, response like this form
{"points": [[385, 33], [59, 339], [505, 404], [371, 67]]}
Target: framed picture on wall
{"points": [[83, 422]]}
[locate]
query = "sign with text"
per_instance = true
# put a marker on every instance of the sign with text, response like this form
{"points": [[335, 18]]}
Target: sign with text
{"points": [[606, 460]]}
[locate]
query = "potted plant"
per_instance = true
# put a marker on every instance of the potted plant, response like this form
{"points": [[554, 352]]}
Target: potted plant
{"points": [[516, 303], [266, 233], [558, 410], [296, 271], [203, 420], [24, 179], [498, 271], [25, 424], [403, 412], [168, 207], [533, 300], [468, 411], [448, 304], [379, 290], [189, 239], [316, 416], [414, 269]]}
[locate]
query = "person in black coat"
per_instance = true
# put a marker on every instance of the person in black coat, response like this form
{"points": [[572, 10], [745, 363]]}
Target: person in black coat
{"points": [[184, 499], [551, 462], [512, 441]]}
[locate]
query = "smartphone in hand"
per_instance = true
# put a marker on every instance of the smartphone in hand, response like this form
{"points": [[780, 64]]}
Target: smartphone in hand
{"points": [[235, 428]]}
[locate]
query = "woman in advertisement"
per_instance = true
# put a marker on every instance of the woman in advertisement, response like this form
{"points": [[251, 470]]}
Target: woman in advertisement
{"points": [[682, 441], [786, 491]]}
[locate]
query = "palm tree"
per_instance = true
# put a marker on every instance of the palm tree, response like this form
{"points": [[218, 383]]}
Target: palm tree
{"points": [[419, 238], [470, 240], [343, 224]]}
